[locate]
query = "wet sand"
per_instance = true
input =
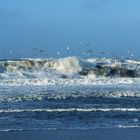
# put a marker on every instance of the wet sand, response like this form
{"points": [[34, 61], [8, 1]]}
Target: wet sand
{"points": [[96, 134]]}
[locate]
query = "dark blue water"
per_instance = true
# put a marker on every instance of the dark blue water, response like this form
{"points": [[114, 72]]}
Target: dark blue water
{"points": [[65, 107]]}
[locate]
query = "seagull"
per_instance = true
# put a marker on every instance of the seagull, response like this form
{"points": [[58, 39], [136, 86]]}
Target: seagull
{"points": [[9, 51], [58, 53], [68, 48], [35, 49]]}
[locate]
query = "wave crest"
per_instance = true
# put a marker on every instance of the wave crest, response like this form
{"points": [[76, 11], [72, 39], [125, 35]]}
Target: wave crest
{"points": [[66, 69]]}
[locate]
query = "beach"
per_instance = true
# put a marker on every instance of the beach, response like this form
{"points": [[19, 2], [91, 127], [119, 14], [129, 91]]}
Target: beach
{"points": [[95, 134]]}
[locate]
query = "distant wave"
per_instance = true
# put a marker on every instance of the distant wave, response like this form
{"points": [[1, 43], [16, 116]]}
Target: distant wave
{"points": [[69, 70]]}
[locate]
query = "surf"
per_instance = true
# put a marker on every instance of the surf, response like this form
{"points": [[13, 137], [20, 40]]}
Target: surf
{"points": [[68, 70]]}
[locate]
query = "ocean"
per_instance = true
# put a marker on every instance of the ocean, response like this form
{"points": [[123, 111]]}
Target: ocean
{"points": [[69, 93]]}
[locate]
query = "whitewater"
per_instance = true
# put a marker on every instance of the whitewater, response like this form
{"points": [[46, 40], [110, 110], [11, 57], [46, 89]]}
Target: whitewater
{"points": [[69, 93], [68, 71]]}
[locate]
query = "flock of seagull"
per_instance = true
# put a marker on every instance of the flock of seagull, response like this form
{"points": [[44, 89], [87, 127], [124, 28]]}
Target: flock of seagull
{"points": [[90, 52]]}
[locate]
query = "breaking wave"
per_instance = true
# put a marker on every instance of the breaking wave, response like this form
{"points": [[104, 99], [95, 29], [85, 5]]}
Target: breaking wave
{"points": [[69, 70]]}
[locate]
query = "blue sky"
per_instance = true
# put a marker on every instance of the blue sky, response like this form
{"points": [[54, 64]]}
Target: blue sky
{"points": [[54, 26]]}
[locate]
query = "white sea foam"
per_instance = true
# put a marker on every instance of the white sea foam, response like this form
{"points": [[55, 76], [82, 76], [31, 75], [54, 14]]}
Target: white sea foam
{"points": [[70, 70], [128, 126], [68, 65], [71, 110], [42, 93]]}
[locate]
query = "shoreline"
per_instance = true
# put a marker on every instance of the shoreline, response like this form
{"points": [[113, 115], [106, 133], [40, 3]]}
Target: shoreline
{"points": [[94, 134]]}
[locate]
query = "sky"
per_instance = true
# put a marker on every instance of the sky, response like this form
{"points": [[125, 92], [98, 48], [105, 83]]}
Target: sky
{"points": [[59, 28]]}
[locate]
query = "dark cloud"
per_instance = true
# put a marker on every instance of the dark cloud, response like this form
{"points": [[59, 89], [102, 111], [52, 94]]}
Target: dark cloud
{"points": [[10, 13]]}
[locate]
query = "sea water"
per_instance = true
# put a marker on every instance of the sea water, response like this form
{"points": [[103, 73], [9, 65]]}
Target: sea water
{"points": [[69, 93]]}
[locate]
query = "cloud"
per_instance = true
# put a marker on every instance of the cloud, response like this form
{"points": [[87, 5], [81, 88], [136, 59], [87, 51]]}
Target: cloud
{"points": [[10, 13]]}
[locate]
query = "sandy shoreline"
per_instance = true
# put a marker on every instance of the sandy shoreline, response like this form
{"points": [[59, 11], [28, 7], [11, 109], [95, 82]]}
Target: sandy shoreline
{"points": [[97, 134]]}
